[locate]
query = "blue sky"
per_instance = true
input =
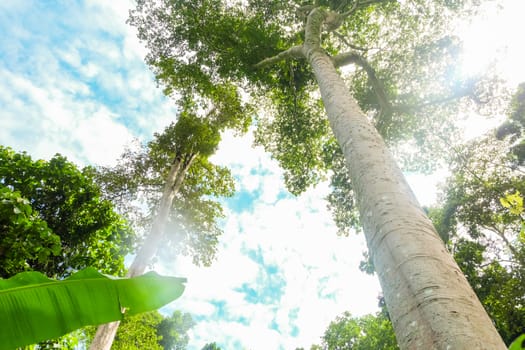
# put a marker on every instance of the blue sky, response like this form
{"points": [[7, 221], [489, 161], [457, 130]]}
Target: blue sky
{"points": [[73, 81]]}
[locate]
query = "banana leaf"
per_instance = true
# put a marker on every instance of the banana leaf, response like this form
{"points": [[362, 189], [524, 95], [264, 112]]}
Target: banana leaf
{"points": [[34, 308], [518, 344]]}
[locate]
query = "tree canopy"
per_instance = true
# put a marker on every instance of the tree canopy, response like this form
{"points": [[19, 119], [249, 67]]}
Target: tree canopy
{"points": [[194, 215], [211, 346], [54, 219], [152, 330], [360, 333], [404, 72]]}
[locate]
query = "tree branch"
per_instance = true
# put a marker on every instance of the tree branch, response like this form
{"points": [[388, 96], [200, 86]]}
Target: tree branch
{"points": [[352, 46], [435, 100], [293, 52], [344, 59], [501, 234], [303, 11], [349, 12], [377, 85]]}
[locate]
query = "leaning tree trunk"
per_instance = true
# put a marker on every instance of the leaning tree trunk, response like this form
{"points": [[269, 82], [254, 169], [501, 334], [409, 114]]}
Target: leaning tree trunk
{"points": [[429, 300], [106, 333]]}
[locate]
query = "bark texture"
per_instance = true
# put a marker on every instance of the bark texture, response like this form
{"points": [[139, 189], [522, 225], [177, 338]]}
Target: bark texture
{"points": [[106, 333], [429, 300]]}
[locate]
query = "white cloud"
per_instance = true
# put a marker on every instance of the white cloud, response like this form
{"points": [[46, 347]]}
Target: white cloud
{"points": [[316, 269], [74, 81], [102, 138]]}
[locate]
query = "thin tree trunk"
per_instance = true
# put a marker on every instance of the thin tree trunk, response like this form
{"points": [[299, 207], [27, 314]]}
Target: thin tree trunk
{"points": [[171, 187], [106, 333], [429, 300]]}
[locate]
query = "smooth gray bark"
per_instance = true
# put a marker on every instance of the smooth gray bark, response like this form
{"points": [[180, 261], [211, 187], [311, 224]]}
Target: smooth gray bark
{"points": [[106, 333], [429, 300]]}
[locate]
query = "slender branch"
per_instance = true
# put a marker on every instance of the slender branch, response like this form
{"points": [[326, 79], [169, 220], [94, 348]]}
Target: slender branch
{"points": [[375, 82], [499, 261], [347, 43], [435, 100], [349, 12], [501, 234], [293, 52]]}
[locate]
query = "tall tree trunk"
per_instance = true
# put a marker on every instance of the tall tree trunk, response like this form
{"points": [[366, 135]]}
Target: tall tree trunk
{"points": [[106, 333], [429, 300], [171, 187]]}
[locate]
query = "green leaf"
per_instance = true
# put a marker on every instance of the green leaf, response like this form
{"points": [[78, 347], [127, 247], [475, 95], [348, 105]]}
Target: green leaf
{"points": [[37, 308], [518, 344], [504, 202], [513, 202]]}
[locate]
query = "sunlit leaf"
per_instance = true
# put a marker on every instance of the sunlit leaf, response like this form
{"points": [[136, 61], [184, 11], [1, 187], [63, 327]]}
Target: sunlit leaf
{"points": [[513, 202], [35, 308]]}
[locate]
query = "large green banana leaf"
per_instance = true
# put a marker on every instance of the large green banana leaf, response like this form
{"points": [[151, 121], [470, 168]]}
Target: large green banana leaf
{"points": [[35, 308]]}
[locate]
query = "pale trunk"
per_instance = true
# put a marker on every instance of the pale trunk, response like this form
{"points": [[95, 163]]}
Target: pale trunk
{"points": [[106, 333], [429, 300]]}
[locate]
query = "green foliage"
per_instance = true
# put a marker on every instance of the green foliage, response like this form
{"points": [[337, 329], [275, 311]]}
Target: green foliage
{"points": [[514, 128], [173, 331], [194, 227], [68, 201], [211, 346], [190, 135], [40, 308], [26, 239], [150, 330], [215, 35], [485, 239], [369, 332], [140, 176], [513, 202], [299, 133], [406, 78], [70, 341], [138, 332], [501, 292], [483, 177]]}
